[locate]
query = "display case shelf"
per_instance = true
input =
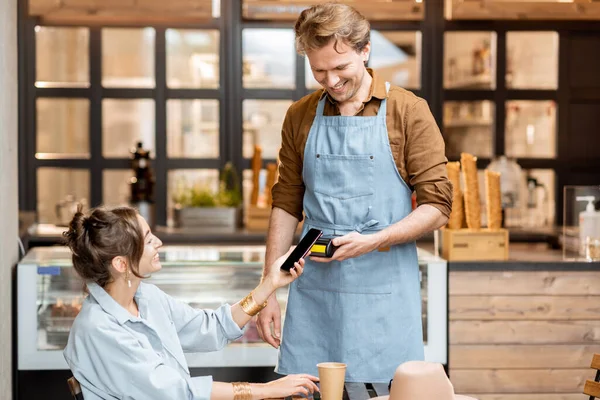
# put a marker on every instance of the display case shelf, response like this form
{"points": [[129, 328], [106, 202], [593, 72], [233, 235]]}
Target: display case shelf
{"points": [[50, 295]]}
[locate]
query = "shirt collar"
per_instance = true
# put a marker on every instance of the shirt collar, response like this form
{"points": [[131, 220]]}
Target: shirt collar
{"points": [[110, 306], [377, 89]]}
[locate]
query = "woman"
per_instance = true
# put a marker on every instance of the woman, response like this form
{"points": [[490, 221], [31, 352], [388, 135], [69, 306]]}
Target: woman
{"points": [[129, 339]]}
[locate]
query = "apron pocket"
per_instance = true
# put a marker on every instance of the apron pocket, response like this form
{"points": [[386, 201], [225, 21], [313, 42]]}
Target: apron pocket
{"points": [[344, 176], [372, 273]]}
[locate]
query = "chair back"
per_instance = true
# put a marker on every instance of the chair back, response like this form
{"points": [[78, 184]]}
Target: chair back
{"points": [[592, 388], [75, 388]]}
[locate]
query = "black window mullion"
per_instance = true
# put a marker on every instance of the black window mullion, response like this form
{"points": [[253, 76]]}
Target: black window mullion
{"points": [[500, 94], [129, 93], [224, 84], [562, 125], [95, 128], [468, 95], [160, 100], [27, 111], [301, 72], [432, 59], [232, 33], [64, 92], [192, 163], [270, 94], [192, 94]]}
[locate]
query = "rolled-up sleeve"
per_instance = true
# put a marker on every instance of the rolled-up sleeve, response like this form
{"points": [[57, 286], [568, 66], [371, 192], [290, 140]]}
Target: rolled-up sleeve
{"points": [[113, 361], [426, 160], [288, 192], [202, 330]]}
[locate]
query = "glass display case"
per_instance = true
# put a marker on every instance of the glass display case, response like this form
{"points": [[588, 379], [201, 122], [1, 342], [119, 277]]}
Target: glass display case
{"points": [[50, 296]]}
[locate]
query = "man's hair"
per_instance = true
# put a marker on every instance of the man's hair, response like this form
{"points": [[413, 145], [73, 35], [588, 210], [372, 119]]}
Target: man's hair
{"points": [[318, 25]]}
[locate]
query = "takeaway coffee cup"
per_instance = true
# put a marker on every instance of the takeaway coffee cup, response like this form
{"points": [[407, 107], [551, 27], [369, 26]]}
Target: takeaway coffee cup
{"points": [[332, 377]]}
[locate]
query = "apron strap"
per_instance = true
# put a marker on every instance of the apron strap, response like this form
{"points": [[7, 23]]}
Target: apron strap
{"points": [[321, 107]]}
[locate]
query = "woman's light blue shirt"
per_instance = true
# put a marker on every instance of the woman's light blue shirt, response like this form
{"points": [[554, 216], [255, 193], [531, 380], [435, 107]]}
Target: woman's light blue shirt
{"points": [[115, 355]]}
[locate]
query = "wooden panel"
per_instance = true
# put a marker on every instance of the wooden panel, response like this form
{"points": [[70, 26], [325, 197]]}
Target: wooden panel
{"points": [[592, 388], [120, 12], [520, 380], [524, 283], [521, 356], [524, 332], [374, 10], [524, 307], [521, 9], [528, 396]]}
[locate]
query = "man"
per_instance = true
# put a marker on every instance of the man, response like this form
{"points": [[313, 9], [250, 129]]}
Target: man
{"points": [[352, 153]]}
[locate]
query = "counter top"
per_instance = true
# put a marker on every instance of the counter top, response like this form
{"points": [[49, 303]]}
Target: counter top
{"points": [[527, 257]]}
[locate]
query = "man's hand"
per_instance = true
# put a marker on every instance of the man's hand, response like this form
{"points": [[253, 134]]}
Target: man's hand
{"points": [[350, 246], [271, 314]]}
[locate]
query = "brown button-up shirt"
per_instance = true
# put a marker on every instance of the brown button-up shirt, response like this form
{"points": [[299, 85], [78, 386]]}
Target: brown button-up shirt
{"points": [[416, 142]]}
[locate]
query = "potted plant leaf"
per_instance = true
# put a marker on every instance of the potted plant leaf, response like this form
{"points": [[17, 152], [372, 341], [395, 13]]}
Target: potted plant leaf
{"points": [[199, 206]]}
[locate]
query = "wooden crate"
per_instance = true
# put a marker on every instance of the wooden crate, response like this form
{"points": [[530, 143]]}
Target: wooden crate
{"points": [[475, 244], [257, 218]]}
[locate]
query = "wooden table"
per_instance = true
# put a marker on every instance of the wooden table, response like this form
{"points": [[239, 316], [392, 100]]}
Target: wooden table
{"points": [[358, 391]]}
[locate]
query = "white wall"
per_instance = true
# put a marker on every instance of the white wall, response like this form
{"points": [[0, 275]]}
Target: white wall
{"points": [[8, 183]]}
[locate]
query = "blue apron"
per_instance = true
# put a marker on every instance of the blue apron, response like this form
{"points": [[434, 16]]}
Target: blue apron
{"points": [[366, 311]]}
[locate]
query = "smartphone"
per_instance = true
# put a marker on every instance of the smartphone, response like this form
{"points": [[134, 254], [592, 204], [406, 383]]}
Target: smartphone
{"points": [[302, 249]]}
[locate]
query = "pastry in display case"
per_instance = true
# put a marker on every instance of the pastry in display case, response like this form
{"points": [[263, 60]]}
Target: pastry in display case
{"points": [[50, 295]]}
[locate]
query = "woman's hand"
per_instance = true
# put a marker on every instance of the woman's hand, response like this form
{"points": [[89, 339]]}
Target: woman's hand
{"points": [[291, 385], [279, 278]]}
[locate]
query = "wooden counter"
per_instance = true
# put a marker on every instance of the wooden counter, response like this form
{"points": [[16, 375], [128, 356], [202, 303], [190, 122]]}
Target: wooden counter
{"points": [[524, 329]]}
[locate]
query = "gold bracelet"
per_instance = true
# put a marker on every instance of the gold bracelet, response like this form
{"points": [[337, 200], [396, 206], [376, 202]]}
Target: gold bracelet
{"points": [[242, 391], [249, 305]]}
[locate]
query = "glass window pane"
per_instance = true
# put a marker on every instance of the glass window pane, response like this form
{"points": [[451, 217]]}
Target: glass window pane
{"points": [[192, 58], [269, 58], [540, 198], [181, 181], [531, 129], [115, 186], [128, 57], [532, 60], [247, 187], [216, 8], [396, 57], [262, 126], [62, 57], [124, 123], [62, 128], [469, 127], [193, 128], [470, 60], [55, 188]]}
